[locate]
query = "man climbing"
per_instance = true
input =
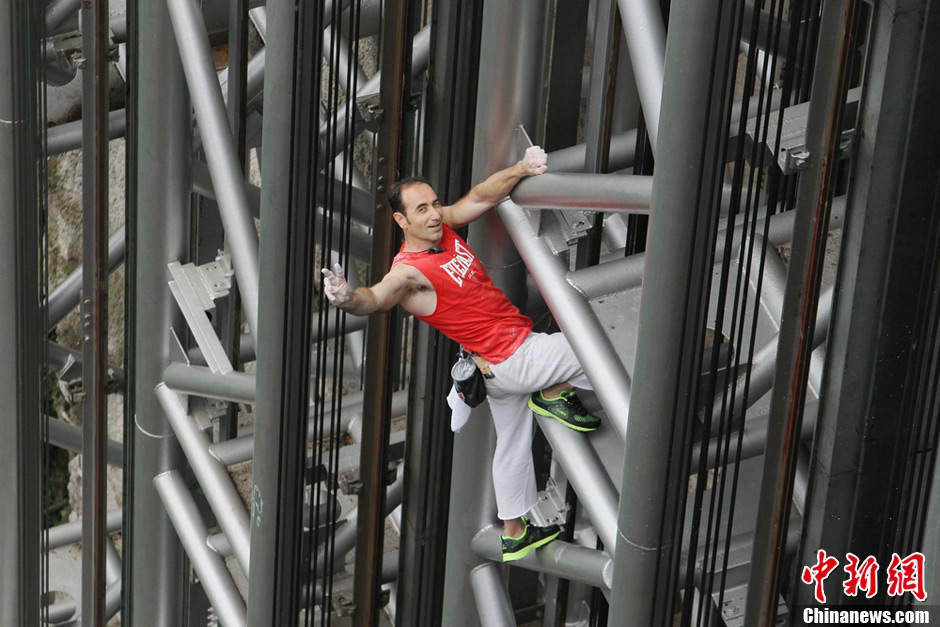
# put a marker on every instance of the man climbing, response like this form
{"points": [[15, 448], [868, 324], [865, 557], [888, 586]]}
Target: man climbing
{"points": [[437, 278]]}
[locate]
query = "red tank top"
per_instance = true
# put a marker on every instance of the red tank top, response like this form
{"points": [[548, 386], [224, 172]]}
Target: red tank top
{"points": [[470, 309]]}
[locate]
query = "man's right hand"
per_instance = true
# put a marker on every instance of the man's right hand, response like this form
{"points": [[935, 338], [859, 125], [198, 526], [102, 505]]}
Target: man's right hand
{"points": [[335, 286]]}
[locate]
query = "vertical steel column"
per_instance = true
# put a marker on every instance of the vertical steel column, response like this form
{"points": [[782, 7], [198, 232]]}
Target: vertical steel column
{"points": [[158, 219], [669, 313], [268, 574], [94, 306], [511, 49], [370, 523], [813, 202], [21, 333]]}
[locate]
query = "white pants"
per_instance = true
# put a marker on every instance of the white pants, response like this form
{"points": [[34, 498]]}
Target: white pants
{"points": [[541, 361]]}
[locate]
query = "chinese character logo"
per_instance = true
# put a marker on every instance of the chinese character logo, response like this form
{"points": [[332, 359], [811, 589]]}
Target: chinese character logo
{"points": [[818, 572]]}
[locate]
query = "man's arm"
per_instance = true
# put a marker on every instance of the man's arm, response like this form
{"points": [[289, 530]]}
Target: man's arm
{"points": [[362, 301], [487, 194]]}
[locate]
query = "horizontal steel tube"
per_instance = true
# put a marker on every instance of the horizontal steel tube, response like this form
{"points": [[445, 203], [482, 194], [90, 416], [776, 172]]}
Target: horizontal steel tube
{"points": [[491, 598], [69, 437], [618, 273], [574, 315], [753, 440], [71, 532], [66, 360], [201, 381], [240, 449], [214, 480], [219, 543], [558, 558], [571, 159], [587, 475], [66, 295], [209, 566], [64, 137], [601, 192], [345, 537], [225, 169]]}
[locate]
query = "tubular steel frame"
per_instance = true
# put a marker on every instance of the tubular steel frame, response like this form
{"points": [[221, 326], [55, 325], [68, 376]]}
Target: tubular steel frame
{"points": [[623, 477]]}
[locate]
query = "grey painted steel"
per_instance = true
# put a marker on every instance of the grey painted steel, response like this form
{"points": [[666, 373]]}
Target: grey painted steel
{"points": [[645, 33], [94, 310], [20, 522], [65, 296], [60, 10], [212, 476], [192, 532], [663, 309], [930, 544], [571, 159], [69, 437], [561, 559], [64, 137], [66, 361], [511, 48], [240, 449], [224, 167], [160, 158], [71, 532], [201, 381], [804, 276], [492, 599], [574, 315], [420, 54], [601, 192], [584, 470], [618, 273], [277, 138]]}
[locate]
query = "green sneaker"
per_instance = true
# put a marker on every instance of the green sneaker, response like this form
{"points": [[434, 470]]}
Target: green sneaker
{"points": [[566, 409], [531, 539]]}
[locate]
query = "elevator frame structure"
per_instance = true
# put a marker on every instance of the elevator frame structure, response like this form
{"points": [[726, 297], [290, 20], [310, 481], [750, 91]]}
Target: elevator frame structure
{"points": [[458, 91]]}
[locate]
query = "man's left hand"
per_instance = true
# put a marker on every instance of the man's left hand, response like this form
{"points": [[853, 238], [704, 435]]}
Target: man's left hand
{"points": [[535, 161]]}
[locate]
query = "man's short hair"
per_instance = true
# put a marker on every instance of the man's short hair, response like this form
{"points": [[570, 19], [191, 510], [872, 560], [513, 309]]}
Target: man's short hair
{"points": [[396, 188]]}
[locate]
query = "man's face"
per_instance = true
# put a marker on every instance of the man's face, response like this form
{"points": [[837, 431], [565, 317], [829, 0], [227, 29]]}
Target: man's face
{"points": [[422, 217]]}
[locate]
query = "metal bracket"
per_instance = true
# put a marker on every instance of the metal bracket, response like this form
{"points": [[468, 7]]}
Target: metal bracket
{"points": [[551, 508], [370, 111], [195, 289]]}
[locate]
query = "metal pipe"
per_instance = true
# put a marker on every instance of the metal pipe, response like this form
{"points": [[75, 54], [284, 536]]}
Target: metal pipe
{"points": [[65, 296], [240, 449], [69, 437], [590, 343], [158, 204], [584, 470], [491, 598], [60, 10], [201, 381], [64, 137], [209, 566], [224, 167], [813, 199], [95, 192], [345, 537], [214, 480], [557, 558], [601, 192], [71, 532], [645, 33], [671, 302], [618, 273]]}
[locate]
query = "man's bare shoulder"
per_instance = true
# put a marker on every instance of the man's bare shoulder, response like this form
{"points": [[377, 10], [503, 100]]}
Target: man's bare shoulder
{"points": [[414, 277]]}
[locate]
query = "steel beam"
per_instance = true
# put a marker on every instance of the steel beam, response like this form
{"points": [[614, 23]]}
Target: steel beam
{"points": [[212, 476], [645, 33], [157, 227], [600, 192], [64, 137], [69, 437], [559, 559], [21, 332], [813, 200], [491, 596], [574, 315], [670, 309], [209, 566], [224, 167], [201, 381]]}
